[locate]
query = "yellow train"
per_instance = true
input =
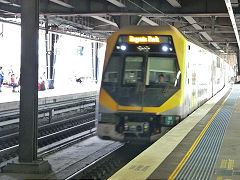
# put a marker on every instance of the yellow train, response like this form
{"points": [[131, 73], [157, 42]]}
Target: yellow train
{"points": [[153, 77]]}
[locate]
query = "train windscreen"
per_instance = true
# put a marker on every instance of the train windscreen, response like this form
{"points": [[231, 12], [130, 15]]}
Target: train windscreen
{"points": [[142, 73]]}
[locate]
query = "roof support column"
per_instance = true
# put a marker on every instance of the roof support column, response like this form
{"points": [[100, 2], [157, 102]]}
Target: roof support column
{"points": [[238, 63], [29, 82], [50, 39], [28, 161]]}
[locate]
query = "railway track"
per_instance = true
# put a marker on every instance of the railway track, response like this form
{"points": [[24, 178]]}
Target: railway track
{"points": [[106, 165], [11, 117], [49, 134]]}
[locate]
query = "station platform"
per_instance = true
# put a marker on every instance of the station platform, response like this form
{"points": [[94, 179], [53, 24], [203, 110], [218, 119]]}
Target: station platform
{"points": [[10, 100], [66, 162], [205, 145]]}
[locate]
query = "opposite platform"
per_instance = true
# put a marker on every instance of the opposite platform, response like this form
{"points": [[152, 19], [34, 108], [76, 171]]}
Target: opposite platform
{"points": [[9, 100]]}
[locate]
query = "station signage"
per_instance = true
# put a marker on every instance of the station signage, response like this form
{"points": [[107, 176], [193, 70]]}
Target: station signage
{"points": [[143, 39]]}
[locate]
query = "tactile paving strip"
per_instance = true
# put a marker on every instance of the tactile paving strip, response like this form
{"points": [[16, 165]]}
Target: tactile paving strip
{"points": [[201, 163]]}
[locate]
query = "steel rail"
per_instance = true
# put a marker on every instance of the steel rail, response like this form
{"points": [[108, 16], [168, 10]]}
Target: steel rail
{"points": [[48, 108], [13, 149]]}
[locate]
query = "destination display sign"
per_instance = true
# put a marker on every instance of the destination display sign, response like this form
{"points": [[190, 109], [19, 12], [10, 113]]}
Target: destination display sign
{"points": [[143, 39]]}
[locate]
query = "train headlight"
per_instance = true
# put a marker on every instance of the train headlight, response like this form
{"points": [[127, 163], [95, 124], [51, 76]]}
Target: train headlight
{"points": [[126, 127], [165, 48], [146, 127], [123, 47]]}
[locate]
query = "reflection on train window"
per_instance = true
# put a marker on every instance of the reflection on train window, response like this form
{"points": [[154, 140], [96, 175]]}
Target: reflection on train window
{"points": [[162, 70], [112, 72], [133, 70]]}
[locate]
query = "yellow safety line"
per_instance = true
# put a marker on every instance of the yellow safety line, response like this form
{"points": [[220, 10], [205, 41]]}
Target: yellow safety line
{"points": [[230, 164], [183, 161], [223, 164], [219, 178]]}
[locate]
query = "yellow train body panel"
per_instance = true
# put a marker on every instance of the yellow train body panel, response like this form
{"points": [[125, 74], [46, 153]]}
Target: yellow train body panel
{"points": [[180, 46], [106, 100]]}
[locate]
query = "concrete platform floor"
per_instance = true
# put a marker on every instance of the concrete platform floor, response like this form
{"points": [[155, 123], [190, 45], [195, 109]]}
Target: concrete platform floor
{"points": [[67, 161], [8, 96]]}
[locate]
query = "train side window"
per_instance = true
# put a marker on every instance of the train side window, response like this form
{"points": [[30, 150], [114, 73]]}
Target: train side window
{"points": [[188, 47], [112, 72]]}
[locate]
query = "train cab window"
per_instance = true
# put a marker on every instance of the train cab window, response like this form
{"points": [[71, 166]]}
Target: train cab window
{"points": [[112, 72], [133, 70], [162, 70]]}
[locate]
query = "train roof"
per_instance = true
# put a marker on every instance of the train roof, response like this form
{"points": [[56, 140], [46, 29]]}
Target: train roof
{"points": [[156, 30]]}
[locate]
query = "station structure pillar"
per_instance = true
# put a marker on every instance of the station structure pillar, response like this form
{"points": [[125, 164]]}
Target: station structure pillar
{"points": [[238, 63], [95, 59], [28, 162], [50, 39]]}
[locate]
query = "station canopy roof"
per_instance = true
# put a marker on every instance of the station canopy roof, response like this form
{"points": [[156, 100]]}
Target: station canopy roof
{"points": [[214, 23]]}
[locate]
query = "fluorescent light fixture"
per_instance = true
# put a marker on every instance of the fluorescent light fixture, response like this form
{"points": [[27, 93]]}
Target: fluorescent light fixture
{"points": [[174, 3], [215, 45], [62, 3], [117, 3], [193, 22], [105, 20], [5, 2], [204, 34], [147, 20]]}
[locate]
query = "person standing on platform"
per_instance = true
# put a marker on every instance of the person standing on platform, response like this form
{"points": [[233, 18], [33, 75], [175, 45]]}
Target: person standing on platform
{"points": [[44, 78], [13, 83], [1, 77]]}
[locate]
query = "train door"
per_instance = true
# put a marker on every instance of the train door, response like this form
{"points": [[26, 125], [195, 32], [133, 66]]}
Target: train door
{"points": [[188, 86]]}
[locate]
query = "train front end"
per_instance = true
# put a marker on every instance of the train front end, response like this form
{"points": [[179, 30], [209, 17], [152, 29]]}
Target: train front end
{"points": [[142, 84]]}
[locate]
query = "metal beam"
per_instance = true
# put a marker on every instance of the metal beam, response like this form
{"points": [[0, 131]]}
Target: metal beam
{"points": [[105, 20], [117, 3], [204, 33], [193, 22], [147, 20], [62, 3], [219, 42], [215, 32], [174, 3], [119, 13], [4, 1], [231, 15]]}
